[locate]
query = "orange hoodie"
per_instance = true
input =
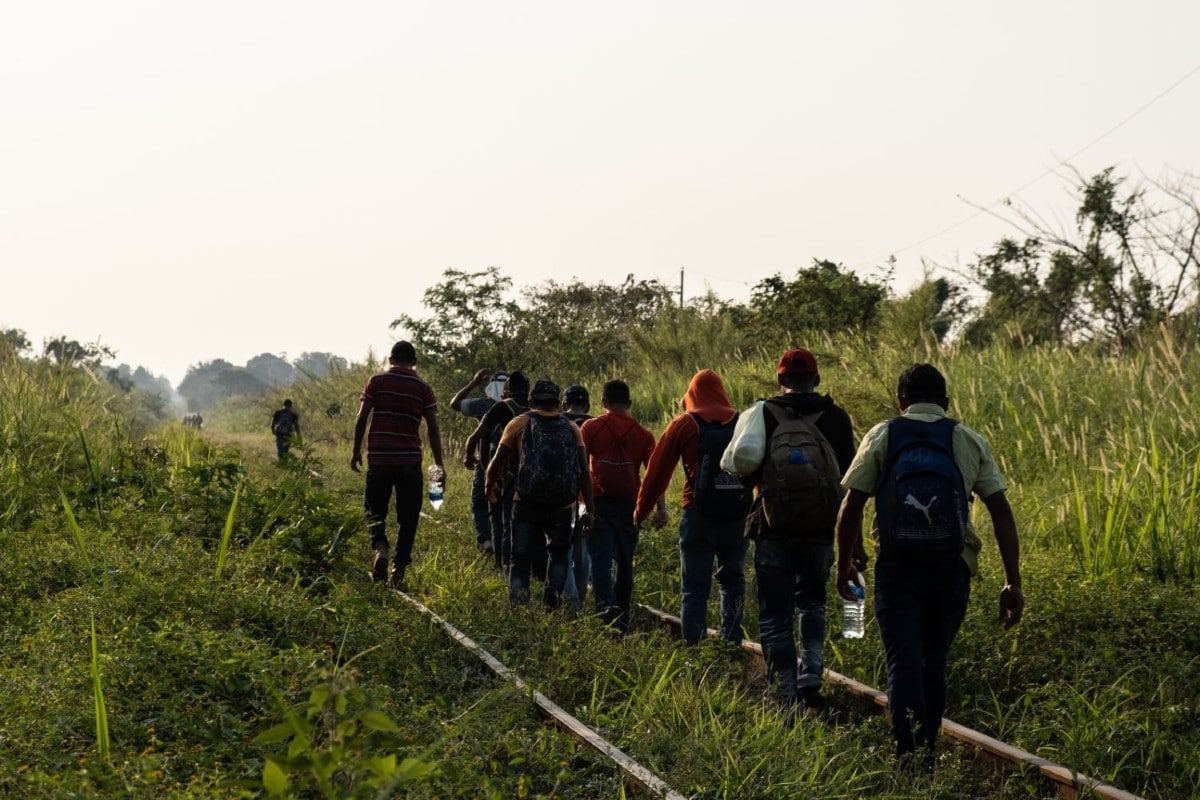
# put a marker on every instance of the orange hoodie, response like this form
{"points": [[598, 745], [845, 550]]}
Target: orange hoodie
{"points": [[706, 396]]}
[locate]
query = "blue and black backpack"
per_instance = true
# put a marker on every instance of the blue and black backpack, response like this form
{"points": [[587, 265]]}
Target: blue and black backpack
{"points": [[717, 494], [920, 501]]}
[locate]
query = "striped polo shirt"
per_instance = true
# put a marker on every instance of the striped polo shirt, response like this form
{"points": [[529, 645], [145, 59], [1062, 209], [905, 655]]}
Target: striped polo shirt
{"points": [[399, 400]]}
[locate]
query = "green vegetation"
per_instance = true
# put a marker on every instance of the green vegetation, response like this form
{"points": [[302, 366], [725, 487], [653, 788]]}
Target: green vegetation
{"points": [[185, 617], [239, 649]]}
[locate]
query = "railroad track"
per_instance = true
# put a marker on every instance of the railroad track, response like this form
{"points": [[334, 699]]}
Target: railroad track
{"points": [[1065, 782], [641, 777]]}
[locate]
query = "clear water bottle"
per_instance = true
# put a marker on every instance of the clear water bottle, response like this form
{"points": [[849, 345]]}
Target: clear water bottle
{"points": [[852, 610], [437, 486]]}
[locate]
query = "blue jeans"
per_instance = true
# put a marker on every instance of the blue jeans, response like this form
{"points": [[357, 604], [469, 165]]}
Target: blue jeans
{"points": [[701, 541], [282, 442], [408, 483], [480, 513], [919, 606], [500, 515], [611, 544], [551, 528], [791, 575]]}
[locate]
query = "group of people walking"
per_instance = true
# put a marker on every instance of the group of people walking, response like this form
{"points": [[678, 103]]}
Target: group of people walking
{"points": [[561, 495]]}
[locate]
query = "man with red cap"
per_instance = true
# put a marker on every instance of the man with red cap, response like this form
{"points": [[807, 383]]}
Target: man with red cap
{"points": [[792, 566]]}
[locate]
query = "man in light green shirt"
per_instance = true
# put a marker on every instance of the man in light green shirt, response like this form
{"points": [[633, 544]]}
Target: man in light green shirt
{"points": [[921, 600]]}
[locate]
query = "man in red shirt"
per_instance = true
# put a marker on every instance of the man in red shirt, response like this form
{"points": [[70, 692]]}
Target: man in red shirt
{"points": [[618, 448], [395, 401]]}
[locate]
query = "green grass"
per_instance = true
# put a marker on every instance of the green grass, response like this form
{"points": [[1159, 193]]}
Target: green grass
{"points": [[291, 675]]}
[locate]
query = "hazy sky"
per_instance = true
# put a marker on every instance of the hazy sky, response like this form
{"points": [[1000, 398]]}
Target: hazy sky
{"points": [[190, 181]]}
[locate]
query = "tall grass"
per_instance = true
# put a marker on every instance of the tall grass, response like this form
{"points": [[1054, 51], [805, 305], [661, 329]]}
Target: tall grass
{"points": [[103, 744], [226, 533]]}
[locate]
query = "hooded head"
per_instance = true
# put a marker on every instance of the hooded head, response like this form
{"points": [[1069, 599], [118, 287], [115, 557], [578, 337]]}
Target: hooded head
{"points": [[706, 396]]}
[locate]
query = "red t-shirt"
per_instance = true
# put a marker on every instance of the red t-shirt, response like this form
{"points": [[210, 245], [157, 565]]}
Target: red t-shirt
{"points": [[600, 435]]}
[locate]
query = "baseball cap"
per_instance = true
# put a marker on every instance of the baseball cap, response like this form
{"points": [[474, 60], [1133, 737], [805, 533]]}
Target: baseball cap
{"points": [[500, 376], [797, 361], [576, 393], [544, 389]]}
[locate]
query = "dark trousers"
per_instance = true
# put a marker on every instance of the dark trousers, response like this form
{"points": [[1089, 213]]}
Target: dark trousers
{"points": [[611, 544], [500, 516], [919, 606], [408, 484], [535, 530], [791, 575], [480, 510], [703, 541]]}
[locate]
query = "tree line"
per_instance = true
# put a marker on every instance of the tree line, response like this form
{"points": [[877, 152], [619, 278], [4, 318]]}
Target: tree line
{"points": [[1127, 263]]}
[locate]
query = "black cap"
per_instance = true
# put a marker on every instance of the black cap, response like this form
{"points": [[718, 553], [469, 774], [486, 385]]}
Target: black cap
{"points": [[544, 389], [576, 393]]}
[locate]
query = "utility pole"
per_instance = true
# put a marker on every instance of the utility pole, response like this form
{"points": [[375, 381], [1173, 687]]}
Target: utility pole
{"points": [[681, 287]]}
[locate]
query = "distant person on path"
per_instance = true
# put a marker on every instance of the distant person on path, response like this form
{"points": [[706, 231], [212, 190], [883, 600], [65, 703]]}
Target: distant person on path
{"points": [[285, 423], [714, 506], [486, 438], [395, 402], [577, 407], [476, 407], [552, 471], [927, 548], [808, 446], [618, 447]]}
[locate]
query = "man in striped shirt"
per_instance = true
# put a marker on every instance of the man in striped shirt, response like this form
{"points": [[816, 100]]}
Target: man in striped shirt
{"points": [[395, 401]]}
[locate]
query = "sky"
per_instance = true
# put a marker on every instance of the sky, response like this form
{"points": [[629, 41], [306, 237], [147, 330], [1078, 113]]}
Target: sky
{"points": [[183, 182]]}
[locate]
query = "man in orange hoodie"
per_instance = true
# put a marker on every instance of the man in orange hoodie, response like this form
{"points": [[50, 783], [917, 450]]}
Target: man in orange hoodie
{"points": [[703, 537]]}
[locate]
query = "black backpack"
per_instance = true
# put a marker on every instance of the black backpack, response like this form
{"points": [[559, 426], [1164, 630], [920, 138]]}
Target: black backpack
{"points": [[717, 494], [514, 409], [549, 471], [283, 423], [920, 500]]}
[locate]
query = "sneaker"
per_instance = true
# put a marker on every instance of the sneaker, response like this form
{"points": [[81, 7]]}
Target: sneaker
{"points": [[379, 563], [397, 579]]}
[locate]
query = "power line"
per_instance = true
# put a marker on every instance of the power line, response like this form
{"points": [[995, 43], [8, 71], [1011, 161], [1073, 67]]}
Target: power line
{"points": [[985, 209]]}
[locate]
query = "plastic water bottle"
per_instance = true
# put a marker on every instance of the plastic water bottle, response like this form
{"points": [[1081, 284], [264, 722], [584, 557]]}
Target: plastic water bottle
{"points": [[852, 610], [437, 486]]}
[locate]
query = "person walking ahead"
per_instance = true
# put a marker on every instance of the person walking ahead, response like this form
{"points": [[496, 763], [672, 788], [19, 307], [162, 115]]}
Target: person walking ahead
{"points": [[712, 526], [552, 472], [618, 447], [809, 443], [395, 402], [285, 423], [928, 550], [476, 407]]}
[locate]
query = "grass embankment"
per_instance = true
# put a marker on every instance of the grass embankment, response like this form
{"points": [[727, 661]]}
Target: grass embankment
{"points": [[195, 666]]}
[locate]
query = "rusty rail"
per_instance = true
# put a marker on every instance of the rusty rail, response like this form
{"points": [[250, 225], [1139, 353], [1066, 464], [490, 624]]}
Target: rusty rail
{"points": [[1066, 782], [641, 777]]}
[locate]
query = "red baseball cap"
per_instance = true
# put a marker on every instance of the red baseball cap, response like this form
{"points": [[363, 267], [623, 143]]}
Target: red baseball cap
{"points": [[797, 361]]}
